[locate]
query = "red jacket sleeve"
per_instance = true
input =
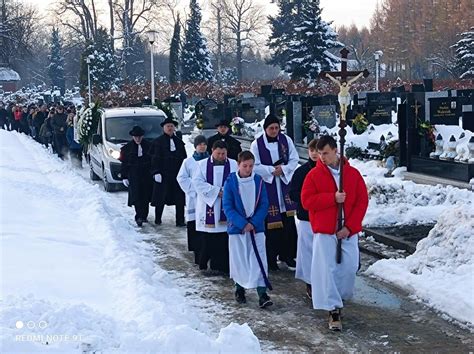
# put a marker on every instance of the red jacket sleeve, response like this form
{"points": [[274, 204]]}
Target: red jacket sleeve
{"points": [[354, 220], [311, 199]]}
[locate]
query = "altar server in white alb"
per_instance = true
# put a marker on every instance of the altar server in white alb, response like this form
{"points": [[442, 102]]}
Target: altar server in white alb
{"points": [[208, 181], [305, 233], [184, 179], [276, 159], [246, 205], [333, 282]]}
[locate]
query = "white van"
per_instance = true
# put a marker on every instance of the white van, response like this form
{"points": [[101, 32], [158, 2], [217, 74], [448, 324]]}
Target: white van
{"points": [[112, 133]]}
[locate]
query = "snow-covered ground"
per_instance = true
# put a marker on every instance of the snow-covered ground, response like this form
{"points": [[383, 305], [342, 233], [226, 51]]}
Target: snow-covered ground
{"points": [[77, 275]]}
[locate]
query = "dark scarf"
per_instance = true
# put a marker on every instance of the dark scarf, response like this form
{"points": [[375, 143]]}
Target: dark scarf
{"points": [[198, 156], [210, 220]]}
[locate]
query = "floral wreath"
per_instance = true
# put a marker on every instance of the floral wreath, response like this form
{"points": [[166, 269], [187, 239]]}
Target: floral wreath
{"points": [[88, 122], [237, 124]]}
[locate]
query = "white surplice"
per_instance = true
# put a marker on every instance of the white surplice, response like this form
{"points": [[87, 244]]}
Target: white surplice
{"points": [[184, 179], [266, 171], [304, 251], [244, 267], [207, 194]]}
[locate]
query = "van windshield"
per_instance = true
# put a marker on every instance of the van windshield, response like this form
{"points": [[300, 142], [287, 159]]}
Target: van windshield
{"points": [[117, 128]]}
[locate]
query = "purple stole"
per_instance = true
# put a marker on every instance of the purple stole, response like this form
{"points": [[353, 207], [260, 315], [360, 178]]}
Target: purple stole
{"points": [[274, 214], [210, 220]]}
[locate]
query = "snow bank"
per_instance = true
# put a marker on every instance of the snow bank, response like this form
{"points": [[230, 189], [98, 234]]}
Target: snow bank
{"points": [[78, 275], [441, 271]]}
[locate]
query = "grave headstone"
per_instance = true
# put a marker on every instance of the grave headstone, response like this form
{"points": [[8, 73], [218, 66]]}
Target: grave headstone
{"points": [[178, 109], [294, 119], [208, 109], [325, 115], [445, 110], [468, 120], [253, 109], [380, 106]]}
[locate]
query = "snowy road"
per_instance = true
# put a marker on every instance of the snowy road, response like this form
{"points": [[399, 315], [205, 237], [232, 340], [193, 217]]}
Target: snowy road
{"points": [[73, 261]]}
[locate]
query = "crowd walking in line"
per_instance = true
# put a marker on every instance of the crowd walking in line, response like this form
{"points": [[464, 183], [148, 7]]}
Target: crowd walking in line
{"points": [[238, 207], [240, 210]]}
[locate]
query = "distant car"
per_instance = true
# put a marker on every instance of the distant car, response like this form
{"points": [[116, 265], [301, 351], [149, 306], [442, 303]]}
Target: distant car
{"points": [[112, 133]]}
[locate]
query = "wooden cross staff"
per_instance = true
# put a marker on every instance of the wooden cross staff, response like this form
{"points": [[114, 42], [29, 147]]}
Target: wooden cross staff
{"points": [[344, 100]]}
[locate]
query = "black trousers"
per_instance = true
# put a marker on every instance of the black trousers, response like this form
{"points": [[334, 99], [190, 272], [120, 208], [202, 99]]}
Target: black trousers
{"points": [[282, 242], [179, 211], [215, 247], [141, 210], [194, 240]]}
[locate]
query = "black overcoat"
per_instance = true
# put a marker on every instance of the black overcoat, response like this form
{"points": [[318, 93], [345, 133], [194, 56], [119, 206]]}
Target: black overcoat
{"points": [[296, 187], [233, 145], [137, 171], [167, 163]]}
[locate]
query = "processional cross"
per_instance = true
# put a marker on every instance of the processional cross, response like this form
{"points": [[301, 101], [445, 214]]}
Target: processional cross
{"points": [[344, 98]]}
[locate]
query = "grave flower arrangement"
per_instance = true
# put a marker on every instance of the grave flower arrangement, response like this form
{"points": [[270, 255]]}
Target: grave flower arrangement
{"points": [[312, 125], [237, 125], [359, 124], [88, 122]]}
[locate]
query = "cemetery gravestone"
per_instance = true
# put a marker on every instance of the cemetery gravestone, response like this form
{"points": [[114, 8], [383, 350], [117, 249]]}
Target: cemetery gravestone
{"points": [[208, 110], [325, 115], [445, 110], [380, 107]]}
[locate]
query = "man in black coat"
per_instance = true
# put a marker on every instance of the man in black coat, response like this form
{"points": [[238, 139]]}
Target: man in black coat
{"points": [[223, 133], [3, 116], [167, 154], [39, 120], [58, 122], [135, 171]]}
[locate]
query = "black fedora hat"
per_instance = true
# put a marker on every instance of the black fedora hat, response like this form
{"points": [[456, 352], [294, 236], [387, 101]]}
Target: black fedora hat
{"points": [[137, 131], [223, 122], [169, 120]]}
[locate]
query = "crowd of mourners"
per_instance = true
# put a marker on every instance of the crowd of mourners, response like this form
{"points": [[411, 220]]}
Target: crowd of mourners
{"points": [[49, 124]]}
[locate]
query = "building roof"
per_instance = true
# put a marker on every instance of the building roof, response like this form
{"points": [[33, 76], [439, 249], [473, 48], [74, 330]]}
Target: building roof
{"points": [[7, 74]]}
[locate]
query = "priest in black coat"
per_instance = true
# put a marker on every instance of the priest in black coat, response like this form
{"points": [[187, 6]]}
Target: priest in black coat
{"points": [[223, 133], [135, 171], [167, 154]]}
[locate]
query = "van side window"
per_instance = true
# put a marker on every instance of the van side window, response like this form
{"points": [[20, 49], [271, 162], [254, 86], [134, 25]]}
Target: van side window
{"points": [[99, 126]]}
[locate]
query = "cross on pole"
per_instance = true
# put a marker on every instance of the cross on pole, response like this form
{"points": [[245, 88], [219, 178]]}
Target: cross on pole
{"points": [[344, 100]]}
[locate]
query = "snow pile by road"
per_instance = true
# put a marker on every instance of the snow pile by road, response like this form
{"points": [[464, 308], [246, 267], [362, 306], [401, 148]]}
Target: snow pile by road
{"points": [[76, 274], [394, 201], [441, 271]]}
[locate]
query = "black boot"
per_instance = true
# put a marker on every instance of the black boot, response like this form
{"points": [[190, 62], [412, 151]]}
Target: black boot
{"points": [[240, 296], [264, 301]]}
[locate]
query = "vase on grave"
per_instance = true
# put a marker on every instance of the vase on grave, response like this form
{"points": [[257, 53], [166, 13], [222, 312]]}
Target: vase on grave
{"points": [[461, 149], [439, 147]]}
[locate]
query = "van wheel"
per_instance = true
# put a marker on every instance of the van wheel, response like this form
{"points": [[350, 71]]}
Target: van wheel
{"points": [[92, 174], [109, 187]]}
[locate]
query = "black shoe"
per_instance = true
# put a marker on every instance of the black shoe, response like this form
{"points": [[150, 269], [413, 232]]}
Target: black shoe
{"points": [[291, 264], [273, 266], [240, 296], [309, 291], [264, 301], [139, 222], [157, 222], [145, 220], [180, 224], [335, 323]]}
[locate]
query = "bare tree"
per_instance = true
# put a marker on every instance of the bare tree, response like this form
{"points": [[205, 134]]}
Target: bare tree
{"points": [[244, 19], [83, 11]]}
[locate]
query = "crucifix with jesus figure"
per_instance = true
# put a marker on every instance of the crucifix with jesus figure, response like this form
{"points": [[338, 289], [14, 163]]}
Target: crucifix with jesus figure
{"points": [[344, 98]]}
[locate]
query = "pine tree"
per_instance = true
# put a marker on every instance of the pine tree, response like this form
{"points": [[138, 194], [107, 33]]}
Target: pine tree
{"points": [[174, 53], [465, 55], [282, 32], [195, 57], [134, 59], [56, 62], [103, 70], [308, 53]]}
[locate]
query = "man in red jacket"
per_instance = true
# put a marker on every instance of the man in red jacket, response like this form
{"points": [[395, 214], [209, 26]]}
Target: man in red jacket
{"points": [[332, 283]]}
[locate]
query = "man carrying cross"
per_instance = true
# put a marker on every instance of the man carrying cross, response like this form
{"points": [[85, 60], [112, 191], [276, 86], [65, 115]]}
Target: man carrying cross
{"points": [[322, 195]]}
